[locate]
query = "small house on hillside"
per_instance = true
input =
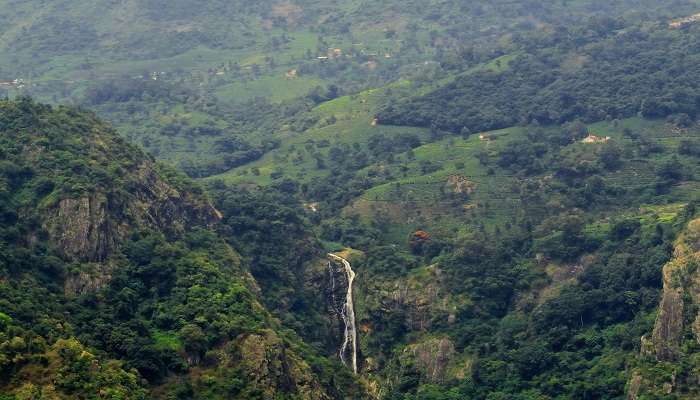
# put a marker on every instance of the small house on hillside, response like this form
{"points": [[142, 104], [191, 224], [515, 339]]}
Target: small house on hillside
{"points": [[590, 139], [679, 23], [335, 53]]}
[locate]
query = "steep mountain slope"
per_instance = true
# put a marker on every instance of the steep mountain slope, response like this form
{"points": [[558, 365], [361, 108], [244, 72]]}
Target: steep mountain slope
{"points": [[517, 215], [668, 363], [518, 263], [105, 256]]}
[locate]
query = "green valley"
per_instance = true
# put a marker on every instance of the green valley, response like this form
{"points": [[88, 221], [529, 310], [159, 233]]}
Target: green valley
{"points": [[316, 200]]}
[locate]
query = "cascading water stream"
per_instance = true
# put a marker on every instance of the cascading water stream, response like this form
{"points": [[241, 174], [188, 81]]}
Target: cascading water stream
{"points": [[348, 315], [331, 274]]}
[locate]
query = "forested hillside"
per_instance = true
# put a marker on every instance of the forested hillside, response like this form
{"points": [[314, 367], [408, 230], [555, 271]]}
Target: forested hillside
{"points": [[212, 85], [597, 71], [514, 227], [106, 256], [475, 199]]}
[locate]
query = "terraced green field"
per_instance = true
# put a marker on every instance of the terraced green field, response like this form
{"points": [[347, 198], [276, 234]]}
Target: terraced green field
{"points": [[277, 88], [414, 197], [419, 200], [346, 120]]}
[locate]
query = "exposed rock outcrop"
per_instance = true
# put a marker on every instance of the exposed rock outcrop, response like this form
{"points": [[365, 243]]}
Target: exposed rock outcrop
{"points": [[669, 321], [81, 229], [89, 228], [666, 351], [90, 278], [432, 358], [156, 202], [276, 370], [681, 284], [633, 386], [325, 286], [422, 297]]}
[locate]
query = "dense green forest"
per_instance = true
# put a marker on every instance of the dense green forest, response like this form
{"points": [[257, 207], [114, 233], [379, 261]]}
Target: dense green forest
{"points": [[515, 185], [597, 71], [106, 257]]}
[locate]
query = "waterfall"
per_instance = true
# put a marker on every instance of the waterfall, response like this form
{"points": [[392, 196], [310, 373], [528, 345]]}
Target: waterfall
{"points": [[348, 315], [331, 275]]}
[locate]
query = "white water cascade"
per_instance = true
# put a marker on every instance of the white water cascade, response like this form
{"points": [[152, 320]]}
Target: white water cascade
{"points": [[348, 315]]}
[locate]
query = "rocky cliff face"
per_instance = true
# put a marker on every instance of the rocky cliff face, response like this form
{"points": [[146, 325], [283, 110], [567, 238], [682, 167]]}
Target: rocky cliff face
{"points": [[432, 358], [81, 230], [90, 228], [669, 321], [276, 370], [420, 297], [326, 285], [86, 190], [681, 293], [90, 278], [668, 364]]}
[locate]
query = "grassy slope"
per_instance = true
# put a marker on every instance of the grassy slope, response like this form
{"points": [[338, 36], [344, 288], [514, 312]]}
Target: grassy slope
{"points": [[274, 87], [495, 198], [412, 198], [494, 201], [354, 115], [353, 124]]}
